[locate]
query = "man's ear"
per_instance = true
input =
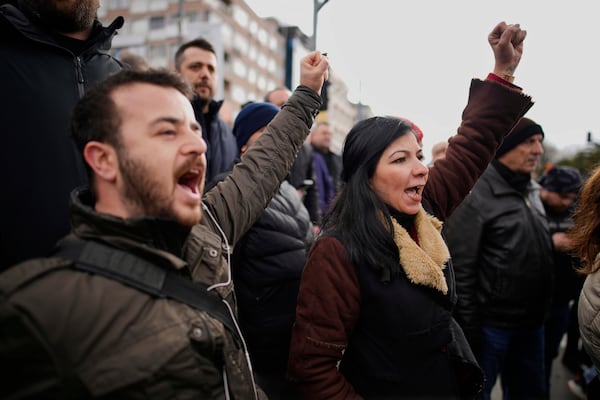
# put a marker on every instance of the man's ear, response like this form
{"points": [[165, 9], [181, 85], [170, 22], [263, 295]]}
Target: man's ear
{"points": [[102, 159]]}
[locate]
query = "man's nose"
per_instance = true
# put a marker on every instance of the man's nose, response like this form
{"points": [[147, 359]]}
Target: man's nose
{"points": [[194, 144], [204, 72]]}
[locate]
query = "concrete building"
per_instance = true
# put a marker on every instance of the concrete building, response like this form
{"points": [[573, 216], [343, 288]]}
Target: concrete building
{"points": [[254, 54]]}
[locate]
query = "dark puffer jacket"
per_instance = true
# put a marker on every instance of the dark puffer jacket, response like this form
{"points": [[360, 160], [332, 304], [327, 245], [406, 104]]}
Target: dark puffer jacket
{"points": [[267, 266], [41, 81]]}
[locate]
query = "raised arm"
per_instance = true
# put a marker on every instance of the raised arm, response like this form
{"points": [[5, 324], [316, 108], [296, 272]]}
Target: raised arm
{"points": [[242, 196], [494, 107], [507, 44]]}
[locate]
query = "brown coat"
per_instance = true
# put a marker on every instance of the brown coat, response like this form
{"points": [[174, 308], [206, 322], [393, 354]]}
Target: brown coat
{"points": [[330, 303], [66, 332]]}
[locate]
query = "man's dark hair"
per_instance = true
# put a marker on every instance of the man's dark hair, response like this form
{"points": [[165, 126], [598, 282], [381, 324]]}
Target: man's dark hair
{"points": [[96, 118], [200, 43]]}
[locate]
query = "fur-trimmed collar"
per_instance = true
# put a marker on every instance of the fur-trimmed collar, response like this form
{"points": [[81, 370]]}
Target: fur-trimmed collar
{"points": [[423, 265]]}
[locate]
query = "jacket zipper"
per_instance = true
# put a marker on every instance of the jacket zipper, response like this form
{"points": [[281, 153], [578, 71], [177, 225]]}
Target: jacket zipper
{"points": [[79, 73]]}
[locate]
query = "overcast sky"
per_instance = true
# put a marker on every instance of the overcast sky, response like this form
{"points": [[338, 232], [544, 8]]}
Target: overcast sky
{"points": [[416, 58]]}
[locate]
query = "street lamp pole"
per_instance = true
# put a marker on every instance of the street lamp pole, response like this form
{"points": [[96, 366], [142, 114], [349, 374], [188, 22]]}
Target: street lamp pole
{"points": [[179, 23], [317, 5]]}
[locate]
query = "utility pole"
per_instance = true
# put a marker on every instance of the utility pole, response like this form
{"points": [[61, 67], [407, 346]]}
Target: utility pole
{"points": [[180, 23], [317, 5]]}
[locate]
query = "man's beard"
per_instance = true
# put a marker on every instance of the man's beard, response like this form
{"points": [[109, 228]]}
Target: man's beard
{"points": [[141, 192], [76, 16]]}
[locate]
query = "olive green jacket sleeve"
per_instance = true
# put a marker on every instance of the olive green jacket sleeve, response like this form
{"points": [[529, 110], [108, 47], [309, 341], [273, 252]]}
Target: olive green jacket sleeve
{"points": [[239, 200]]}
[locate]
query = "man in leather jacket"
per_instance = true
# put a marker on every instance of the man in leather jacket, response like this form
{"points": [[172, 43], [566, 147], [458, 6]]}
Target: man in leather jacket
{"points": [[502, 252]]}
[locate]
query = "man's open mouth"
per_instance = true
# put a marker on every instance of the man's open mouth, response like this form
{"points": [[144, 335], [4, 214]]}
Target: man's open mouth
{"points": [[190, 180]]}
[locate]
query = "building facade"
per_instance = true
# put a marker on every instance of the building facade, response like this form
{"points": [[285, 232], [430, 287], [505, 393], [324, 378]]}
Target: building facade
{"points": [[254, 54]]}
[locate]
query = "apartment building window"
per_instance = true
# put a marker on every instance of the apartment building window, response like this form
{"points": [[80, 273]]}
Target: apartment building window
{"points": [[118, 4], [239, 95], [157, 51], [156, 5], [191, 17], [252, 52], [273, 43], [240, 16], [240, 43], [262, 37], [253, 28], [157, 22], [262, 60], [139, 26], [262, 84], [252, 76], [239, 68]]}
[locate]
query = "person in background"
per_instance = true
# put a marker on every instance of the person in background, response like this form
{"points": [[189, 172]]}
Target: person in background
{"points": [[133, 60], [302, 174], [196, 61], [51, 52], [585, 241], [438, 151], [374, 316], [267, 264], [560, 186], [278, 96], [502, 252], [327, 164], [146, 245]]}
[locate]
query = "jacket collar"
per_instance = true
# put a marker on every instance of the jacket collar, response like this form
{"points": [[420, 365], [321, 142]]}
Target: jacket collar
{"points": [[22, 18], [147, 232], [500, 186], [423, 264], [213, 107]]}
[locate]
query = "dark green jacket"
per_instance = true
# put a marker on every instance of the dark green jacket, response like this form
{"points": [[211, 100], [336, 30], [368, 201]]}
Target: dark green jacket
{"points": [[66, 333]]}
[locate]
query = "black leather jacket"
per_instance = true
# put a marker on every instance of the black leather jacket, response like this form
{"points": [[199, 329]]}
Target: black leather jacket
{"points": [[502, 254]]}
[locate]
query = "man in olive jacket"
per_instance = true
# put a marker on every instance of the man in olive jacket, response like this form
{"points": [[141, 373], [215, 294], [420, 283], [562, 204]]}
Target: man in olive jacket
{"points": [[70, 333]]}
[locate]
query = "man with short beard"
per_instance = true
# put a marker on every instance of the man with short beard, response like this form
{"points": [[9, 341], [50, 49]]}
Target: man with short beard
{"points": [[51, 52], [196, 62], [138, 301]]}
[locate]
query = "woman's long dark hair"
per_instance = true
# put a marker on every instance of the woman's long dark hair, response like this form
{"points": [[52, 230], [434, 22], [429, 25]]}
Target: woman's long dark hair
{"points": [[357, 215]]}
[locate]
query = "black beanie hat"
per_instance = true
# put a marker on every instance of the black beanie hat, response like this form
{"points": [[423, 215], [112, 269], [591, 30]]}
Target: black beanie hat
{"points": [[562, 180], [524, 129], [251, 118]]}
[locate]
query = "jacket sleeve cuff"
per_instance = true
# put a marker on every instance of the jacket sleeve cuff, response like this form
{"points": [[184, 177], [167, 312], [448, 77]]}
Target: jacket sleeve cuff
{"points": [[493, 77]]}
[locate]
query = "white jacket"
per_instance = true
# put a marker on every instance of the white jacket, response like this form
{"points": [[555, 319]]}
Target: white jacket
{"points": [[589, 316]]}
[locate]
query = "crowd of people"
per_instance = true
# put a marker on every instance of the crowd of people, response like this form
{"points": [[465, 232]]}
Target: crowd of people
{"points": [[150, 250]]}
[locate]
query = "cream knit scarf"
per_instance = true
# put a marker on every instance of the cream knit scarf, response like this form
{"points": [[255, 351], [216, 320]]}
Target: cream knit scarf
{"points": [[423, 264]]}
